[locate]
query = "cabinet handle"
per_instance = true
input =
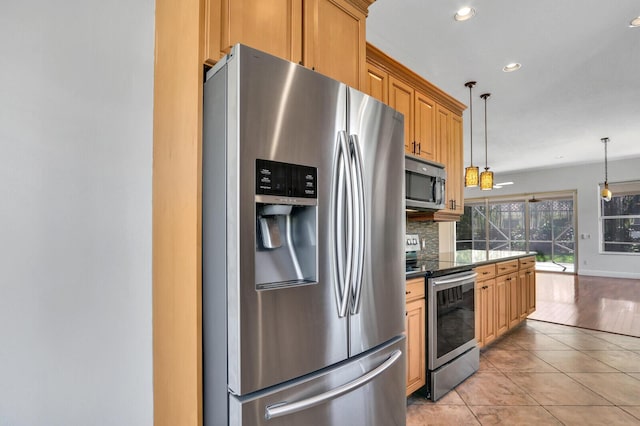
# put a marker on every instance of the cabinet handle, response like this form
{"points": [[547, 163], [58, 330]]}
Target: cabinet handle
{"points": [[407, 292], [484, 287], [301, 63], [485, 273], [419, 147], [413, 151]]}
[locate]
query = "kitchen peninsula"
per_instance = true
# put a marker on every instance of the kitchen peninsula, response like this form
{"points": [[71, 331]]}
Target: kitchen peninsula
{"points": [[504, 295]]}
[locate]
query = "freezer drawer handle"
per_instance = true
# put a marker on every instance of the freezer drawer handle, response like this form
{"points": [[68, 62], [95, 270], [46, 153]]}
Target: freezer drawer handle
{"points": [[284, 408]]}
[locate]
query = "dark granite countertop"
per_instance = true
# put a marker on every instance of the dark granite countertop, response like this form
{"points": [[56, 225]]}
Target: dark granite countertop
{"points": [[460, 260]]}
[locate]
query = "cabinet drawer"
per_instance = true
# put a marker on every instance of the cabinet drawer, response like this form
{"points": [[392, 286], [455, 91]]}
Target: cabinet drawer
{"points": [[527, 262], [507, 267], [415, 289], [486, 272]]}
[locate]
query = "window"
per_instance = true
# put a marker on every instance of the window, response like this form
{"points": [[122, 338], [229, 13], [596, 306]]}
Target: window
{"points": [[620, 219]]}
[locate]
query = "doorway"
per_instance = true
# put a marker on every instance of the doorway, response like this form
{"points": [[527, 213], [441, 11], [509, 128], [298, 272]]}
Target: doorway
{"points": [[544, 223]]}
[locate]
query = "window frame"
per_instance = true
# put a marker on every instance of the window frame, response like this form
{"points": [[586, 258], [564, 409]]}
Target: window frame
{"points": [[615, 186]]}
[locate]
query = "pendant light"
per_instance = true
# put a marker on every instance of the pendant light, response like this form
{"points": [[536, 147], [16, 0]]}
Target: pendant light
{"points": [[471, 172], [605, 194], [486, 177]]}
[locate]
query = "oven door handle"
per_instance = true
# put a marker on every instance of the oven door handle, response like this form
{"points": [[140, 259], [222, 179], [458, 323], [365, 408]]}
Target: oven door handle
{"points": [[455, 281]]}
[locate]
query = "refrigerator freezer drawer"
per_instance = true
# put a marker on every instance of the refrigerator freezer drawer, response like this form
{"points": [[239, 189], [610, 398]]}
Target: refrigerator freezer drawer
{"points": [[368, 390]]}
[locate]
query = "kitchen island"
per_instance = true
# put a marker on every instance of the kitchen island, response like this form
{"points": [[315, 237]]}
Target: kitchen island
{"points": [[504, 296]]}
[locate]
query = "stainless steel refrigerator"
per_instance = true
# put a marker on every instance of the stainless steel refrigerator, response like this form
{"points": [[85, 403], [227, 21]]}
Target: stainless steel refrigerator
{"points": [[303, 269]]}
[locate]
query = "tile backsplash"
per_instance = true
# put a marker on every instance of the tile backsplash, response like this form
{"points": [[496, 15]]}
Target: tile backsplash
{"points": [[429, 237]]}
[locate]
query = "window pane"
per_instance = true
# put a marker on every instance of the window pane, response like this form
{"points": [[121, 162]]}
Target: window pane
{"points": [[621, 230], [621, 205]]}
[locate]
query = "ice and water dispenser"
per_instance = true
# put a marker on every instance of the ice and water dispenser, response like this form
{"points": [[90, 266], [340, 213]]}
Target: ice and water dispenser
{"points": [[286, 225]]}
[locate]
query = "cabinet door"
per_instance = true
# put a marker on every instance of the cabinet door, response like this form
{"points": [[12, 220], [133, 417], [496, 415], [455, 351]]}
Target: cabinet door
{"points": [[377, 83], [488, 319], [523, 295], [502, 305], [531, 290], [455, 160], [334, 40], [401, 99], [416, 345], [424, 126], [515, 299], [273, 26]]}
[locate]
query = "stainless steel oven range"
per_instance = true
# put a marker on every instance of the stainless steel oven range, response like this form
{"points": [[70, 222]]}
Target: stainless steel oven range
{"points": [[452, 354]]}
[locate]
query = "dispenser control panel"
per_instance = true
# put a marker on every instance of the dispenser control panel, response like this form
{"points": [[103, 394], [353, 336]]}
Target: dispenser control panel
{"points": [[284, 179]]}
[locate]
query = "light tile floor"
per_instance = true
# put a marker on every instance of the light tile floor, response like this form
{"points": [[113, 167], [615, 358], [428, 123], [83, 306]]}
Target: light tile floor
{"points": [[541, 373]]}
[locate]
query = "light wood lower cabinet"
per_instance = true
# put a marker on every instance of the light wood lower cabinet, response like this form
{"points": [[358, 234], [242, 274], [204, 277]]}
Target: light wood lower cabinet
{"points": [[505, 295], [502, 304], [485, 309], [415, 324], [527, 278]]}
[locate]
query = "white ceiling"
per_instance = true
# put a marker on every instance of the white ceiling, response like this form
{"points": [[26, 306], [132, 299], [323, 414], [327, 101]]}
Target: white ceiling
{"points": [[579, 81]]}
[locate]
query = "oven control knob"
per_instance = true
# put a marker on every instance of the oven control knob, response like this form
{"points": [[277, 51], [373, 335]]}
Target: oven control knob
{"points": [[414, 241]]}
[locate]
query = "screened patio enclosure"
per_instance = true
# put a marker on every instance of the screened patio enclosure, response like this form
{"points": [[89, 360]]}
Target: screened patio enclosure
{"points": [[543, 224]]}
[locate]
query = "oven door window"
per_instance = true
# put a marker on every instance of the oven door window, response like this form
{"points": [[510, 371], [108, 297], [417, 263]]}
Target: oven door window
{"points": [[455, 317], [419, 187]]}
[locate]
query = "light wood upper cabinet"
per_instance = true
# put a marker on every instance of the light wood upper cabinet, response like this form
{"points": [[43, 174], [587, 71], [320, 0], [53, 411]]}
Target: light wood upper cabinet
{"points": [[377, 83], [449, 137], [273, 26], [327, 36], [401, 97], [334, 40], [425, 127]]}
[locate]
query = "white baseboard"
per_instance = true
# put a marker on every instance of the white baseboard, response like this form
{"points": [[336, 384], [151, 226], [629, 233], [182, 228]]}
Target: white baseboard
{"points": [[609, 274]]}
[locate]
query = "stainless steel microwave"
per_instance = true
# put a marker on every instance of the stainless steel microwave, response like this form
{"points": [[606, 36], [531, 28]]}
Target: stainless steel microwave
{"points": [[424, 184]]}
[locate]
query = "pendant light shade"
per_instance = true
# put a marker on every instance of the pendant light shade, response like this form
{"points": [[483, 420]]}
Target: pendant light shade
{"points": [[605, 194], [486, 177], [471, 172]]}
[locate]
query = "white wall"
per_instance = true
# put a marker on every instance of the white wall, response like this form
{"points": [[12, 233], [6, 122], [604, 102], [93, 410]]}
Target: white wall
{"points": [[76, 91], [585, 179]]}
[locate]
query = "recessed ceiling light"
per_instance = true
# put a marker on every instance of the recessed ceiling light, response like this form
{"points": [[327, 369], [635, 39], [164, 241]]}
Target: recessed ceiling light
{"points": [[514, 66], [635, 22], [464, 13]]}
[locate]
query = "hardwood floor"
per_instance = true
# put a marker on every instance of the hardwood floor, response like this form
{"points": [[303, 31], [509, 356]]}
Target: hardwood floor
{"points": [[596, 303]]}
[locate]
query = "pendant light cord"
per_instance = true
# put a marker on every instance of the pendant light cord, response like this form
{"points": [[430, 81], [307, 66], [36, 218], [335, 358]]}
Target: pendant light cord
{"points": [[606, 175], [486, 150], [470, 86]]}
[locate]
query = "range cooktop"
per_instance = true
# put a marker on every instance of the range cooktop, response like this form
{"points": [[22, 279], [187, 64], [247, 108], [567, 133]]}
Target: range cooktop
{"points": [[437, 267]]}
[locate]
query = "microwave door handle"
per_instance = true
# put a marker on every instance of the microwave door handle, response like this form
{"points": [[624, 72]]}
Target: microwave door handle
{"points": [[441, 183], [435, 191]]}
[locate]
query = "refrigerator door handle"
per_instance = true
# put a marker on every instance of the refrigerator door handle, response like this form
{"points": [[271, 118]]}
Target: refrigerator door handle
{"points": [[341, 261], [360, 239], [284, 408]]}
